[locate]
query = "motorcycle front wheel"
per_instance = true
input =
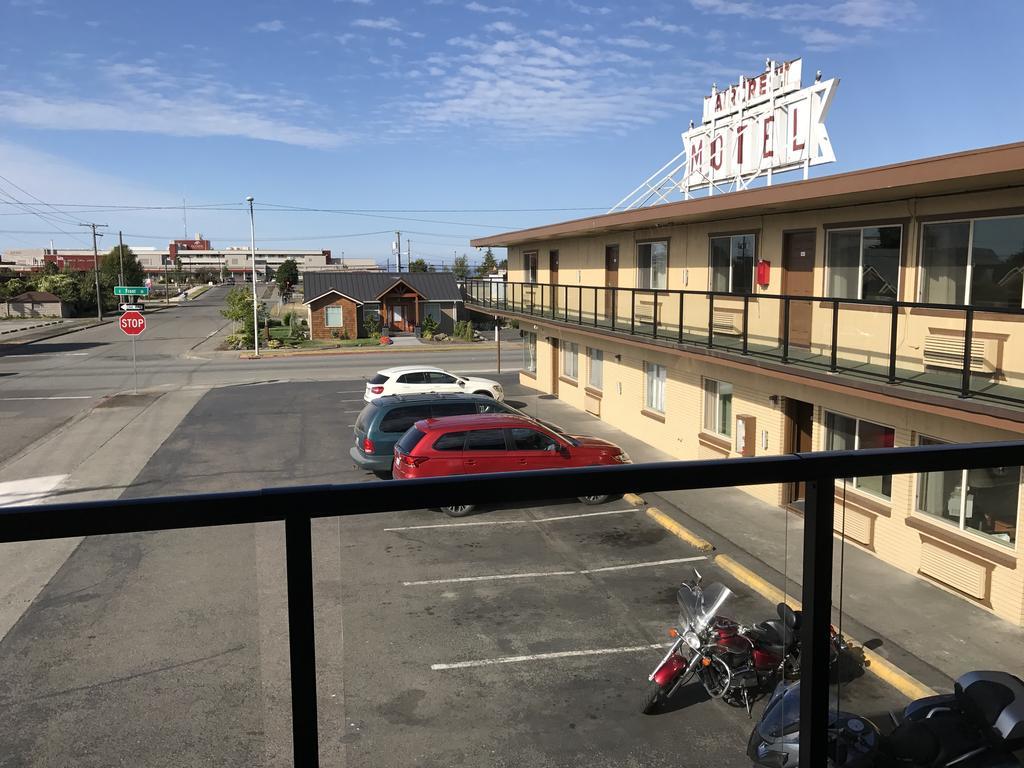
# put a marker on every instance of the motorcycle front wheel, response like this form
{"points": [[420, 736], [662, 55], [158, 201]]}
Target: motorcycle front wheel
{"points": [[715, 677], [654, 697]]}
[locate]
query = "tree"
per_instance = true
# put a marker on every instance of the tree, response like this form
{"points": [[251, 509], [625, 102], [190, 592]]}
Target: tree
{"points": [[460, 266], [503, 265], [63, 286], [419, 265], [489, 265], [238, 309], [287, 276], [110, 268]]}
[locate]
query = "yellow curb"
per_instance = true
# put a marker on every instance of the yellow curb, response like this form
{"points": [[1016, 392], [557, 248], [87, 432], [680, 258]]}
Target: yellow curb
{"points": [[635, 500], [768, 591], [685, 534], [877, 665]]}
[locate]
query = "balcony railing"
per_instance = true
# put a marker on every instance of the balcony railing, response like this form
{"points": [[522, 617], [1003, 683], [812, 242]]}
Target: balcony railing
{"points": [[965, 351], [297, 507]]}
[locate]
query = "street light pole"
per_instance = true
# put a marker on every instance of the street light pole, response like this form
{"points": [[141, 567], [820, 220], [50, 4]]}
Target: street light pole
{"points": [[120, 256], [252, 243]]}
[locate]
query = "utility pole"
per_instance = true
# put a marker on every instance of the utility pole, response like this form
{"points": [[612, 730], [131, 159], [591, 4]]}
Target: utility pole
{"points": [[398, 249], [96, 268], [120, 257], [408, 252], [255, 320]]}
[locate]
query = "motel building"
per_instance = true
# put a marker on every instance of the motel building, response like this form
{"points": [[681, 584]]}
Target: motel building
{"points": [[877, 308]]}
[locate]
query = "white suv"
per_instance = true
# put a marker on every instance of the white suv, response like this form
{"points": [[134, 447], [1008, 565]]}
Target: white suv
{"points": [[421, 379]]}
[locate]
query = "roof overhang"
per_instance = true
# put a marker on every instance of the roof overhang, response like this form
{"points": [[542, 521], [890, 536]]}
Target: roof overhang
{"points": [[335, 292], [972, 171], [400, 281]]}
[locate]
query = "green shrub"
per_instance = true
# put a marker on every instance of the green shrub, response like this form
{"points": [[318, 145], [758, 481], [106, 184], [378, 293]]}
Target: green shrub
{"points": [[428, 328], [464, 330], [274, 344], [287, 319], [372, 325]]}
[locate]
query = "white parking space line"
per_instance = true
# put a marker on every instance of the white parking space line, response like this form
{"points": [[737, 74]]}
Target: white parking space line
{"points": [[546, 656], [538, 574], [513, 522], [58, 397]]}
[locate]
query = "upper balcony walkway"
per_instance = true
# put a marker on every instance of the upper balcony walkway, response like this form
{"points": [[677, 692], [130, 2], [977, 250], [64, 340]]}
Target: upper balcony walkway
{"points": [[968, 353]]}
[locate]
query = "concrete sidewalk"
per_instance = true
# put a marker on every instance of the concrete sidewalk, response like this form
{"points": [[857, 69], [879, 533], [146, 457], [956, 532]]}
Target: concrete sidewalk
{"points": [[932, 634]]}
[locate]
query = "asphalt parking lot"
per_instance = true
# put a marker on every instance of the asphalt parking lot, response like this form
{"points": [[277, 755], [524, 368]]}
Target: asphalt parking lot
{"points": [[516, 636]]}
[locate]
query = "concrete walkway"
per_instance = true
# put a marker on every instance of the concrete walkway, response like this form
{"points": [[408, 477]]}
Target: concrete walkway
{"points": [[930, 633]]}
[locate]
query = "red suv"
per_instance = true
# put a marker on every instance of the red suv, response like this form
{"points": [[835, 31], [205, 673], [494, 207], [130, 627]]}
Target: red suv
{"points": [[494, 442]]}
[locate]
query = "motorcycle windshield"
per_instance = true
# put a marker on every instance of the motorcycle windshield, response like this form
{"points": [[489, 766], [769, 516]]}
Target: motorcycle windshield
{"points": [[782, 715], [697, 607]]}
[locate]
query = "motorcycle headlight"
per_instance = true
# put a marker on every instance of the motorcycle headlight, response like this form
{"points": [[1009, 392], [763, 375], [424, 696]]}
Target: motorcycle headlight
{"points": [[691, 639]]}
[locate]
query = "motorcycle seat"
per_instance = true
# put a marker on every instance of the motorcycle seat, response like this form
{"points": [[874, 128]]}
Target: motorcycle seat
{"points": [[934, 741], [770, 633]]}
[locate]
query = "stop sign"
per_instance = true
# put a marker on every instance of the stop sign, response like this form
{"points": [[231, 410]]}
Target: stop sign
{"points": [[132, 323]]}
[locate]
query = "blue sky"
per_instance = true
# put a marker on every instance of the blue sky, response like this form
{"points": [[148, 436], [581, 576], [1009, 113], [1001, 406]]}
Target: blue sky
{"points": [[444, 118]]}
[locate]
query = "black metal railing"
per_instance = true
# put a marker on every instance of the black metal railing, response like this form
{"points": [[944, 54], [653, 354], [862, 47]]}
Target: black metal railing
{"points": [[606, 308], [297, 507]]}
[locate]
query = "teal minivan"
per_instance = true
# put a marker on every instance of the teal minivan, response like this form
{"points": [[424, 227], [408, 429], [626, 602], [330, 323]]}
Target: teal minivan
{"points": [[383, 421]]}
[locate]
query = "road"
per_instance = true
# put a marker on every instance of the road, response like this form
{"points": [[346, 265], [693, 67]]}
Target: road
{"points": [[519, 636], [46, 384]]}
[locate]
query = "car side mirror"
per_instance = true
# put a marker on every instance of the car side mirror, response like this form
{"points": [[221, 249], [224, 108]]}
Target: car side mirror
{"points": [[462, 383], [564, 450]]}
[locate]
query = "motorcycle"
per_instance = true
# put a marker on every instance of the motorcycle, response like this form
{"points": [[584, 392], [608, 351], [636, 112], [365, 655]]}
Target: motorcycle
{"points": [[979, 725], [733, 662]]}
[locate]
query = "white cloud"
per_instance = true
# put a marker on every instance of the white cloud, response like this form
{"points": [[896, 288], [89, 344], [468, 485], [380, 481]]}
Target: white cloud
{"points": [[501, 26], [665, 26], [553, 89], [850, 13], [589, 10], [345, 38], [380, 23], [506, 9], [396, 42], [275, 25], [200, 106], [92, 23], [637, 43], [817, 39]]}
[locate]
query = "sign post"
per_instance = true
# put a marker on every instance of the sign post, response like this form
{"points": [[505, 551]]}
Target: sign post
{"points": [[133, 323]]}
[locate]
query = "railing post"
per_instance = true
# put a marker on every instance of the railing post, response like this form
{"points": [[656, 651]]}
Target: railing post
{"points": [[595, 306], [580, 313], [681, 296], [565, 304], [746, 320], [785, 330], [615, 305], [965, 381], [655, 331], [711, 320], [894, 323], [816, 599], [833, 366], [632, 311], [301, 643]]}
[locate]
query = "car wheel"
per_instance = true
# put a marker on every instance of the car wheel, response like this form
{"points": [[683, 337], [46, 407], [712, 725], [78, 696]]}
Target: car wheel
{"points": [[594, 500], [484, 392], [458, 511]]}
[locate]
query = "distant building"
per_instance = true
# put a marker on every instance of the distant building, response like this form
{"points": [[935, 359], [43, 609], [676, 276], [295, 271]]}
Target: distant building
{"points": [[34, 304]]}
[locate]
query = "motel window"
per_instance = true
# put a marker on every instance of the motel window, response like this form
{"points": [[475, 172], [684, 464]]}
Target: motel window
{"points": [[732, 264], [979, 500], [652, 265], [530, 352], [570, 360], [864, 263], [654, 387], [979, 258], [595, 368], [718, 407], [530, 266], [845, 433], [332, 317]]}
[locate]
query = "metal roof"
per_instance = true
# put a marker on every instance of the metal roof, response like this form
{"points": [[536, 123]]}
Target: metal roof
{"points": [[367, 286]]}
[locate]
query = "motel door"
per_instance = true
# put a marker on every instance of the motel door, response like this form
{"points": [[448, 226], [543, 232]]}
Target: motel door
{"points": [[798, 280], [611, 278], [553, 270], [799, 427], [403, 317]]}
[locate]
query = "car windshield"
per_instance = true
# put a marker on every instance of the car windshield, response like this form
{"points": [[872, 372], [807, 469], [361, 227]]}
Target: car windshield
{"points": [[409, 440], [365, 417], [380, 378]]}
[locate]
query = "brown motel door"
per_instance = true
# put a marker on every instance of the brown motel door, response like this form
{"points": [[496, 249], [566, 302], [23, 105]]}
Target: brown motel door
{"points": [[611, 276], [553, 271], [798, 280], [799, 423]]}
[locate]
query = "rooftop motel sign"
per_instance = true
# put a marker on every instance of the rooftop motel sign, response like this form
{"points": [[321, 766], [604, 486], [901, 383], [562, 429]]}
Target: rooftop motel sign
{"points": [[762, 124]]}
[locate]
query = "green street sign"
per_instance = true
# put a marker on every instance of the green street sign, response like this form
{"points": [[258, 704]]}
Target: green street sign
{"points": [[131, 290]]}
